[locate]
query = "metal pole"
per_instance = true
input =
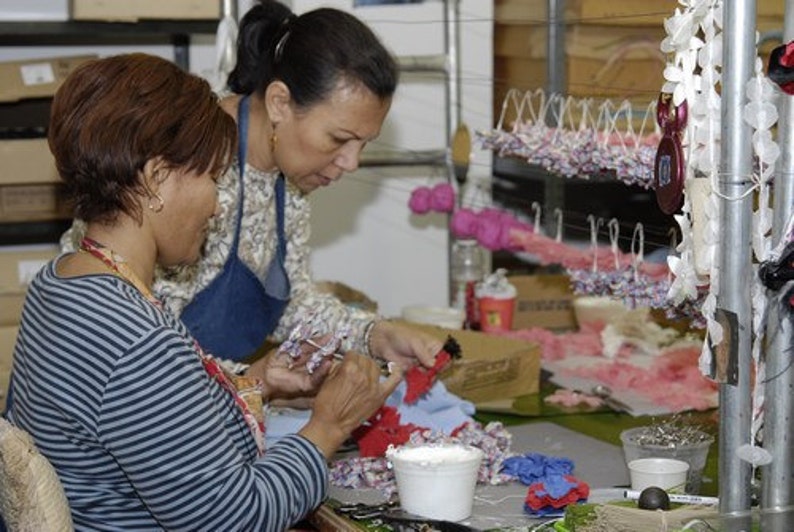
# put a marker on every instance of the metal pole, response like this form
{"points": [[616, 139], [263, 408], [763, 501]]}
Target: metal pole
{"points": [[553, 186], [777, 479], [735, 260], [555, 66]]}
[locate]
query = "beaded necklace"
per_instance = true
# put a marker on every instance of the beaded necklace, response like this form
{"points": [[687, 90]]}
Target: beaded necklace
{"points": [[248, 399]]}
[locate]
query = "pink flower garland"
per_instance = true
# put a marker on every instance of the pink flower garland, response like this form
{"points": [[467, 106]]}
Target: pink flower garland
{"points": [[441, 198]]}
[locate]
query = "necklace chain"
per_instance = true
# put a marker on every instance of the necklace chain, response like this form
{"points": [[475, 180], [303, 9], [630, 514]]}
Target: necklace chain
{"points": [[117, 264]]}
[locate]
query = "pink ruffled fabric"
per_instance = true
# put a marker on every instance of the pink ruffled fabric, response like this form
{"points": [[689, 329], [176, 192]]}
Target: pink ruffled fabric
{"points": [[673, 379], [549, 251], [559, 346]]}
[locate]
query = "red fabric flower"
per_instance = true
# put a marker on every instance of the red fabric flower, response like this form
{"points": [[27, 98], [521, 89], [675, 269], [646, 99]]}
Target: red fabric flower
{"points": [[383, 429], [539, 496], [419, 380]]}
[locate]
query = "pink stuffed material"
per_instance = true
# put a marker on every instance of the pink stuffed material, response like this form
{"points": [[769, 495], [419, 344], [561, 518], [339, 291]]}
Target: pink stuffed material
{"points": [[442, 198], [420, 200], [489, 232], [464, 223]]}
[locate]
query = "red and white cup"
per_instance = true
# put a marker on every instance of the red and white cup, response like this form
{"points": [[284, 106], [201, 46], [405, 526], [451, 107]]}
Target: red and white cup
{"points": [[496, 300]]}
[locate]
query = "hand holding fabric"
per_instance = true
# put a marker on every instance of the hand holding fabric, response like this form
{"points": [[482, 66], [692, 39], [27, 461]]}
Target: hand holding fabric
{"points": [[351, 393], [403, 345], [284, 377]]}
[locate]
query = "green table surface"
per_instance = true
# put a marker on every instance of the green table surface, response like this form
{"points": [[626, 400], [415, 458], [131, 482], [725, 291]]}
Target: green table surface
{"points": [[602, 424]]}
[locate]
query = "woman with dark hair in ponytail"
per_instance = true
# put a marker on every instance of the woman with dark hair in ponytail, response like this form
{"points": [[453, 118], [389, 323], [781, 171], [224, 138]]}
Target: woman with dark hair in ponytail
{"points": [[307, 93]]}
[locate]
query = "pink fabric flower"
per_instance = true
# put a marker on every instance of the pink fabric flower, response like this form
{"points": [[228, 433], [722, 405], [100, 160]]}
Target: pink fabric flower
{"points": [[565, 397], [419, 203], [464, 223], [489, 231], [442, 198]]}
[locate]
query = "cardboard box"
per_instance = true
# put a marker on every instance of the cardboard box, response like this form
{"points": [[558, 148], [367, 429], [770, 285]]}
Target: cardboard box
{"points": [[27, 161], [615, 12], [606, 43], [18, 266], [33, 203], [132, 10], [519, 40], [544, 301], [620, 12], [26, 90], [772, 9], [348, 295], [34, 10], [36, 78], [521, 11], [636, 80], [8, 337], [491, 367]]}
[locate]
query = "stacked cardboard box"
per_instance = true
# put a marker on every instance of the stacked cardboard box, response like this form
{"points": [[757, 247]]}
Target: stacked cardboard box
{"points": [[29, 188], [18, 266], [133, 10], [612, 47]]}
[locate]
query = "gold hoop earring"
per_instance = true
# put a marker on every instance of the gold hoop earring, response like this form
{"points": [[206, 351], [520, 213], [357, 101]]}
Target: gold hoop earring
{"points": [[158, 206], [273, 139]]}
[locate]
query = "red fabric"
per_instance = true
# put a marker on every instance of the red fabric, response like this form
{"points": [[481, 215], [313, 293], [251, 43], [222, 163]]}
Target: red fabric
{"points": [[418, 380], [787, 59], [383, 429], [536, 501], [788, 88]]}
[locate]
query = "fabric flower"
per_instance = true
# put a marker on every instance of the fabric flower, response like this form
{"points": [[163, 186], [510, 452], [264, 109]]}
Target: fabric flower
{"points": [[489, 232], [418, 380], [552, 494], [383, 429], [464, 223], [571, 398], [533, 467], [419, 203], [442, 198]]}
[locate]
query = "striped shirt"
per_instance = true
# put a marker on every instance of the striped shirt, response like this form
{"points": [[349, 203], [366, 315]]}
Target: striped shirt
{"points": [[116, 397]]}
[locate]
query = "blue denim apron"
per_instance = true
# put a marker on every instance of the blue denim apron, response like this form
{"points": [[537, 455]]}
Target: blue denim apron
{"points": [[236, 312]]}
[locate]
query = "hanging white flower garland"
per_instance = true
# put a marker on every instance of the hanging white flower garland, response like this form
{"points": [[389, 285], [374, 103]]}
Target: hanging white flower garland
{"points": [[694, 40], [694, 43]]}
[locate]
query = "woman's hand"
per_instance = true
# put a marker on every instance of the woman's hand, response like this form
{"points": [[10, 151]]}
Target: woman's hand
{"points": [[403, 345], [284, 377], [352, 392]]}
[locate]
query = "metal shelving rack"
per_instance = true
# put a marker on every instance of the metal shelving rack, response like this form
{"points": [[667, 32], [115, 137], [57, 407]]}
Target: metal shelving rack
{"points": [[175, 32]]}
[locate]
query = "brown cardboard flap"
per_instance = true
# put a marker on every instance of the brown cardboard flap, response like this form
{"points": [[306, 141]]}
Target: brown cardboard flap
{"points": [[491, 367]]}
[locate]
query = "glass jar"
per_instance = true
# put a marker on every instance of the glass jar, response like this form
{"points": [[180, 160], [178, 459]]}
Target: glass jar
{"points": [[467, 268]]}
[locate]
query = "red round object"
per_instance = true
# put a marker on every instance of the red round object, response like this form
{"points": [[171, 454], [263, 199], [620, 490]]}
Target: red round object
{"points": [[671, 119], [668, 174]]}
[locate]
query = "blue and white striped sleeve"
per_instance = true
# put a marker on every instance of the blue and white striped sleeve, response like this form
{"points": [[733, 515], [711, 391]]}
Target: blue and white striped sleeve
{"points": [[174, 433]]}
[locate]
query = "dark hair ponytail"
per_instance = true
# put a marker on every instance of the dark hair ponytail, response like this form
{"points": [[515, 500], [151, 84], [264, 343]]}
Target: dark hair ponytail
{"points": [[256, 43], [310, 53]]}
